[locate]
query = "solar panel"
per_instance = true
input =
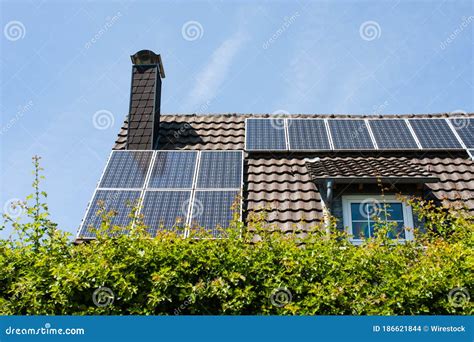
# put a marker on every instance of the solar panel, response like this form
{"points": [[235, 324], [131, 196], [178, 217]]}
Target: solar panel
{"points": [[308, 134], [165, 210], [392, 134], [350, 135], [118, 201], [173, 170], [220, 169], [465, 129], [265, 134], [126, 169], [434, 133], [212, 209]]}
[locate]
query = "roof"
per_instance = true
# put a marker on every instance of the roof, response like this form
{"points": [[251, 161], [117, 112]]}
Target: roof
{"points": [[368, 169], [283, 184]]}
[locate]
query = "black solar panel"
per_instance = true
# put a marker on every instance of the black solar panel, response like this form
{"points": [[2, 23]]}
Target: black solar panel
{"points": [[126, 169], [308, 134], [434, 133], [465, 129], [120, 202], [165, 210], [265, 134], [212, 209], [173, 170], [350, 135], [392, 134], [220, 169]]}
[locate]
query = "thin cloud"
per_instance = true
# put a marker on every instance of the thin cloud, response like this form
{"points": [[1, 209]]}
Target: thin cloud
{"points": [[213, 75]]}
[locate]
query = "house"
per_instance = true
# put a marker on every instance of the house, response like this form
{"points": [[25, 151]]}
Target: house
{"points": [[188, 170]]}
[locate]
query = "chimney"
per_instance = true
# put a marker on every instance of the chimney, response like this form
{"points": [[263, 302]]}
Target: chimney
{"points": [[145, 98]]}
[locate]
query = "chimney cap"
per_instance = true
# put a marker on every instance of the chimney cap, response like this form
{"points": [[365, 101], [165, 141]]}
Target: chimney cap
{"points": [[148, 57]]}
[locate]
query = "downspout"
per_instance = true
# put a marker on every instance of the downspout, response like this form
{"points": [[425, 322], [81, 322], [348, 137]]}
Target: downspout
{"points": [[329, 192]]}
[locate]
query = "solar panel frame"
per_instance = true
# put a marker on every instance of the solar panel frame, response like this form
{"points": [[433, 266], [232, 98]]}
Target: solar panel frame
{"points": [[193, 224], [118, 183], [185, 205], [216, 185], [292, 124], [151, 184], [379, 136], [84, 227], [419, 126], [283, 130], [465, 132], [340, 145]]}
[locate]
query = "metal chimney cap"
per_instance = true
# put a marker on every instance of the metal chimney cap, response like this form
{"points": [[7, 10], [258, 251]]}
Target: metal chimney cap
{"points": [[148, 57]]}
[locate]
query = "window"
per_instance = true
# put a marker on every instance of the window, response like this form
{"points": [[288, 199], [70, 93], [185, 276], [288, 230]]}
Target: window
{"points": [[360, 214]]}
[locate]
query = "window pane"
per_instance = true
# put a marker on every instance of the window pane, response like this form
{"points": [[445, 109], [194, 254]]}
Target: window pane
{"points": [[394, 212], [397, 230], [359, 211], [360, 230]]}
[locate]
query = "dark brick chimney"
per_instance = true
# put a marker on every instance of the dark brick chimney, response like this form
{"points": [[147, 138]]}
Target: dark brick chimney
{"points": [[145, 98]]}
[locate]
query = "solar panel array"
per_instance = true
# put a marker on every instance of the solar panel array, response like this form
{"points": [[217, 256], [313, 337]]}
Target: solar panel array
{"points": [[165, 183], [308, 134]]}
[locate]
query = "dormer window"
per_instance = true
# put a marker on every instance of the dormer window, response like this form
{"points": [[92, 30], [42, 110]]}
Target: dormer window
{"points": [[363, 214]]}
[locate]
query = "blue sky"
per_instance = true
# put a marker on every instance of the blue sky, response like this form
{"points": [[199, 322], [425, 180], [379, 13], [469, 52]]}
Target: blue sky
{"points": [[63, 62]]}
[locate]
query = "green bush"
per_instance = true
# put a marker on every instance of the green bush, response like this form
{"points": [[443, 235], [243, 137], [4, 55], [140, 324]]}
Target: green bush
{"points": [[42, 272]]}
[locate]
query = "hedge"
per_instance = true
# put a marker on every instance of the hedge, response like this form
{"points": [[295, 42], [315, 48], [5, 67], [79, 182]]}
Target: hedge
{"points": [[44, 273]]}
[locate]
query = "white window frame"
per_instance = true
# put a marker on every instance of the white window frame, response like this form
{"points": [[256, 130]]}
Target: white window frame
{"points": [[347, 220]]}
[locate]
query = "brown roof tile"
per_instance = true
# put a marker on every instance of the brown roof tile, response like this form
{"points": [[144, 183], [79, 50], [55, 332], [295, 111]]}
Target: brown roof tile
{"points": [[368, 168], [282, 183]]}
